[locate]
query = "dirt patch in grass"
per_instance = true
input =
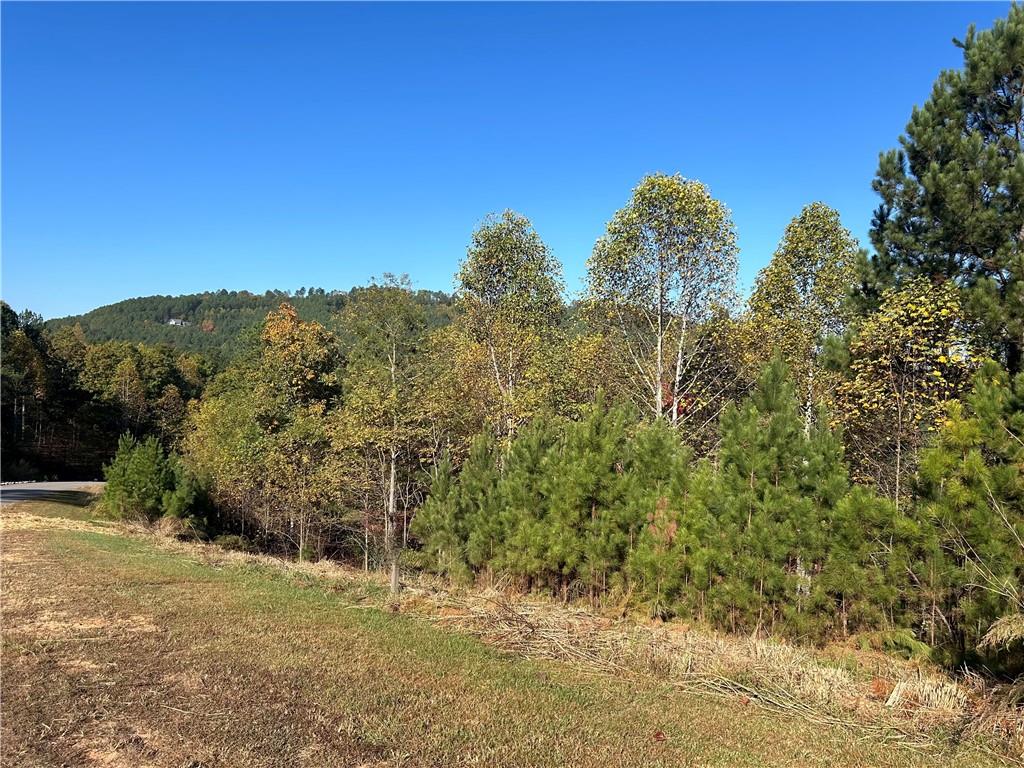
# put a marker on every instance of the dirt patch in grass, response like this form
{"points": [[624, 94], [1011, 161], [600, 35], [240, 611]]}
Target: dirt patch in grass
{"points": [[42, 515], [121, 650]]}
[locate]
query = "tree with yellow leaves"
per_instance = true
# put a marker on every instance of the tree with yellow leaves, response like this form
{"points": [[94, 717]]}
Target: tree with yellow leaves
{"points": [[509, 299], [657, 277], [907, 361], [800, 299], [260, 435], [380, 419]]}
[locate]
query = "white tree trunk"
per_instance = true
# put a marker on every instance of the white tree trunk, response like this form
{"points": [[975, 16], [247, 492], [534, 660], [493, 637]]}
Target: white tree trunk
{"points": [[392, 544]]}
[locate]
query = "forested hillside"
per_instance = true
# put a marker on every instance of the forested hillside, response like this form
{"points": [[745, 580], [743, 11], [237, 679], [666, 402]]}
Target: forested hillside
{"points": [[72, 385], [215, 323]]}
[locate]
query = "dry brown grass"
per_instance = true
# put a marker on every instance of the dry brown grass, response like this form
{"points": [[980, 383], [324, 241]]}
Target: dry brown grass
{"points": [[909, 705]]}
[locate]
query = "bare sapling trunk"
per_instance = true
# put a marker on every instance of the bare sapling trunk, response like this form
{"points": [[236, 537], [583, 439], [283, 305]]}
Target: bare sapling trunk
{"points": [[899, 453], [392, 515], [677, 382], [391, 543], [809, 401], [366, 540], [659, 370], [302, 536]]}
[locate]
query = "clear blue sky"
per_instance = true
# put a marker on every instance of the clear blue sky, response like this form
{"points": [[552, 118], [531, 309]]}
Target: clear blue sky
{"points": [[175, 148]]}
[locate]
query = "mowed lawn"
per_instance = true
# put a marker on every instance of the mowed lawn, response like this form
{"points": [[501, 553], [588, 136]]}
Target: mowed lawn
{"points": [[119, 653]]}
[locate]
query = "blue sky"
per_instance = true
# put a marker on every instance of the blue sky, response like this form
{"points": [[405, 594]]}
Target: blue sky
{"points": [[175, 148]]}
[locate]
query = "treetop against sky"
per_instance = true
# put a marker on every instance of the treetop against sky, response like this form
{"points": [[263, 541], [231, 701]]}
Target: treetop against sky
{"points": [[172, 148]]}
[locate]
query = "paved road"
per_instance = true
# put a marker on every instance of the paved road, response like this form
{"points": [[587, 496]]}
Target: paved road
{"points": [[78, 493]]}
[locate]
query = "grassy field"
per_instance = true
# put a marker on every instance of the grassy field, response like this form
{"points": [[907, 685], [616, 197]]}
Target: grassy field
{"points": [[118, 652]]}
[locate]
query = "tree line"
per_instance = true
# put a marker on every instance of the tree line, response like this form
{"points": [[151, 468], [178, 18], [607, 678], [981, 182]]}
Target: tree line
{"points": [[64, 401], [842, 454]]}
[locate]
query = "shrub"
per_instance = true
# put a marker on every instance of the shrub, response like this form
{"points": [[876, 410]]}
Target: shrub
{"points": [[142, 481], [137, 479]]}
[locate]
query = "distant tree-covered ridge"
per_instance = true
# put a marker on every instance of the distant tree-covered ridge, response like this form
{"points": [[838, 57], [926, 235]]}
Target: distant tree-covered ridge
{"points": [[214, 323]]}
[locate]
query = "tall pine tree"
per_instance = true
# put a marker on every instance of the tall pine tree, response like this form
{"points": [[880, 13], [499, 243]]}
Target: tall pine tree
{"points": [[953, 194]]}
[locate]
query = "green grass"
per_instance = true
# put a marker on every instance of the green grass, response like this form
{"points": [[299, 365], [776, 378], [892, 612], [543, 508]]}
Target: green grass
{"points": [[243, 665]]}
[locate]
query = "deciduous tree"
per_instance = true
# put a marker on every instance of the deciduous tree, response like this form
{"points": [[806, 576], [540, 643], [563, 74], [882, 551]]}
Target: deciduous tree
{"points": [[665, 265], [261, 435], [508, 295], [800, 299], [907, 361], [381, 417]]}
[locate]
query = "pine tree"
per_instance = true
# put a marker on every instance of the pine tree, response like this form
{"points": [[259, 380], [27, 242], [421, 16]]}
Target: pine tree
{"points": [[557, 498], [972, 484], [670, 566], [871, 549], [478, 502], [459, 526], [655, 465], [953, 194], [523, 497], [777, 487], [586, 536], [186, 498], [441, 526], [137, 479]]}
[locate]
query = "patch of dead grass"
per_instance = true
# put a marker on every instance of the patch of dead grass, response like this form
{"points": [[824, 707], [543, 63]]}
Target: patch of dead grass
{"points": [[116, 746], [19, 516], [58, 625], [774, 675]]}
